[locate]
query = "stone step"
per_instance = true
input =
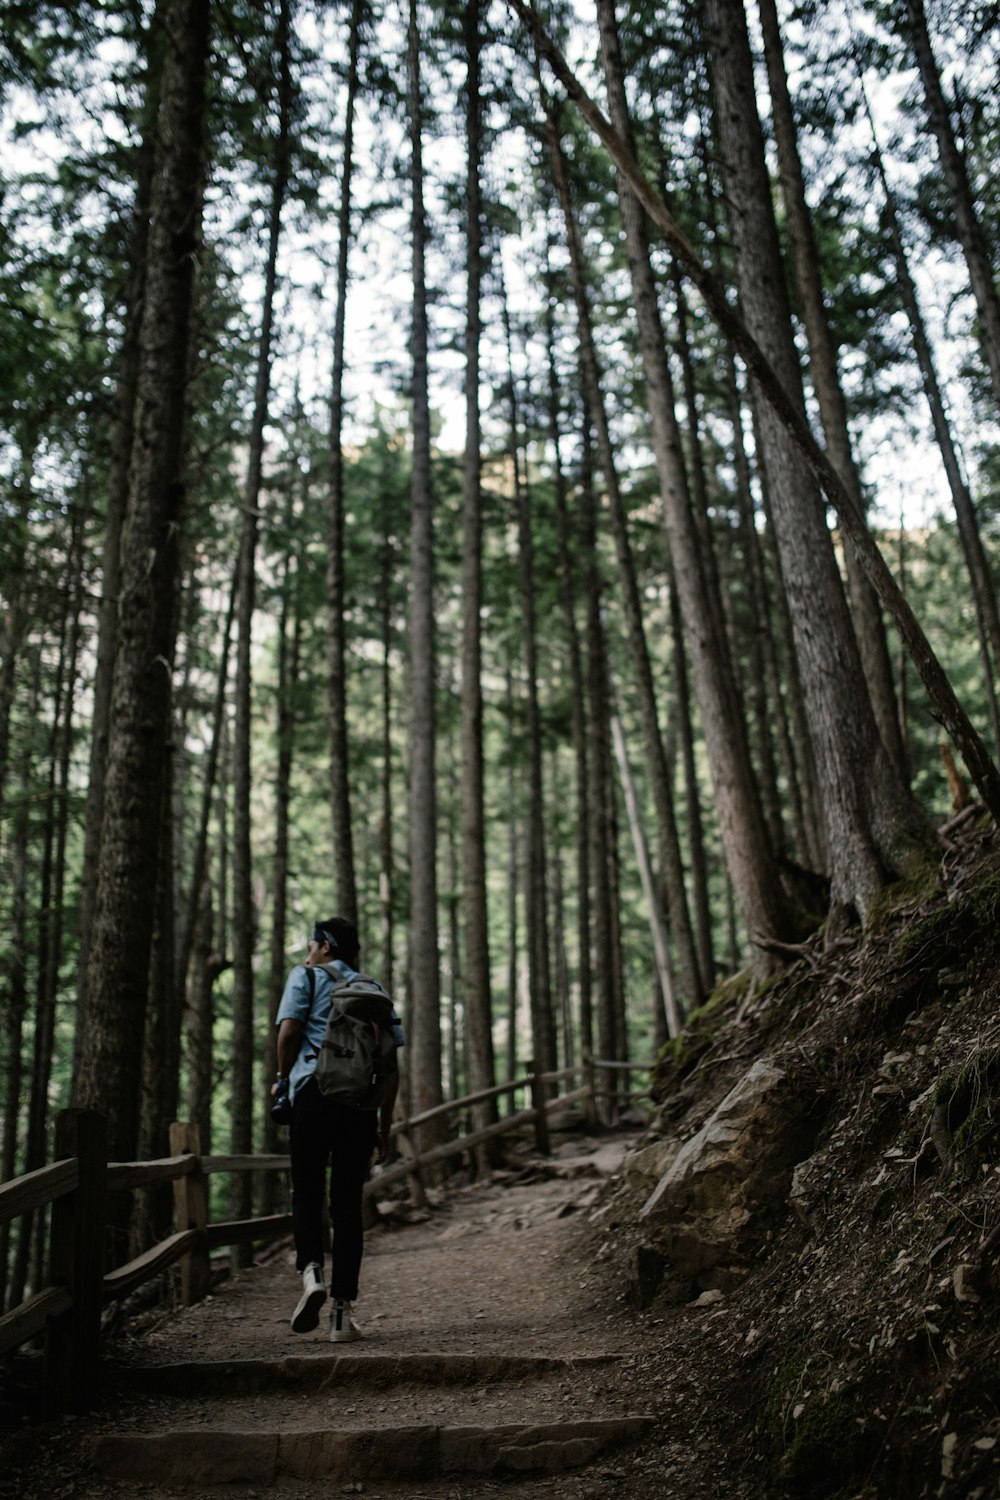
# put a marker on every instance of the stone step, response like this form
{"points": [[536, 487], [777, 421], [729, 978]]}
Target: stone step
{"points": [[407, 1453], [371, 1371]]}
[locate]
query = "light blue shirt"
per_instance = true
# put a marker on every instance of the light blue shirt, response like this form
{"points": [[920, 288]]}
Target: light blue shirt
{"points": [[295, 1006]]}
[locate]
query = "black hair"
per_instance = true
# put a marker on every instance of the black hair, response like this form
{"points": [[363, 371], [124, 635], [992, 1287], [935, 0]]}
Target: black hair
{"points": [[342, 937]]}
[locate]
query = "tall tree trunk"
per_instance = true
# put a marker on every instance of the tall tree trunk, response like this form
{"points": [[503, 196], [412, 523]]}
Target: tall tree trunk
{"points": [[956, 177], [826, 382], [122, 438], [668, 843], [600, 791], [750, 856], [569, 588], [386, 856], [140, 719], [244, 917], [15, 1005], [478, 999], [340, 791], [513, 885], [12, 1278], [425, 1019], [536, 884], [289, 639], [876, 831], [199, 858]]}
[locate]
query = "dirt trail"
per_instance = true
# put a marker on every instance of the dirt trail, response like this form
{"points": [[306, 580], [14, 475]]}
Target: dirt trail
{"points": [[494, 1274]]}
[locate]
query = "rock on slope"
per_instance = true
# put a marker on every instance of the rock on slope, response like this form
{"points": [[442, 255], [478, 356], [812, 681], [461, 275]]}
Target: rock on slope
{"points": [[812, 1225]]}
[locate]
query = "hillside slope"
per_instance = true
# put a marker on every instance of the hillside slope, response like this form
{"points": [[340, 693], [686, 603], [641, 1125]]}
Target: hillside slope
{"points": [[812, 1225]]}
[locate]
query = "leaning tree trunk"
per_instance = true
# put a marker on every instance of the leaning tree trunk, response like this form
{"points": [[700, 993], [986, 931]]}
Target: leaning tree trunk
{"points": [[876, 831], [826, 382], [425, 1020], [750, 857], [141, 697], [956, 177], [345, 883]]}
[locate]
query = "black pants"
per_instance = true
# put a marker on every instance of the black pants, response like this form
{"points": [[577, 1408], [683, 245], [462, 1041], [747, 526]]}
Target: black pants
{"points": [[326, 1132]]}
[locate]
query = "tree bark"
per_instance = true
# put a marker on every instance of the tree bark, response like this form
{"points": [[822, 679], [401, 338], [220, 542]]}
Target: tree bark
{"points": [[244, 1048], [536, 882], [340, 791], [750, 856], [826, 383], [425, 1019], [876, 831], [669, 855], [140, 718], [478, 998]]}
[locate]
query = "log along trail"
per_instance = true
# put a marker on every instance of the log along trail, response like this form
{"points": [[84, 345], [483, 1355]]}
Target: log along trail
{"points": [[496, 1361]]}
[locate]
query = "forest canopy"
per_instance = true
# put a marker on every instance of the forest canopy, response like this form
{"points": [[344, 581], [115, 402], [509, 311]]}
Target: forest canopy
{"points": [[523, 478]]}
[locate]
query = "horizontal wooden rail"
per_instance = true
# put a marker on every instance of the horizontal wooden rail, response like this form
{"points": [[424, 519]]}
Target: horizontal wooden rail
{"points": [[22, 1195], [451, 1105], [31, 1317], [262, 1163], [125, 1175], [242, 1231], [625, 1067], [119, 1283]]}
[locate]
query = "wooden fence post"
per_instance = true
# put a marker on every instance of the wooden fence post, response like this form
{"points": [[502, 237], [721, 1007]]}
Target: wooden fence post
{"points": [[191, 1211], [590, 1084], [76, 1261], [538, 1105]]}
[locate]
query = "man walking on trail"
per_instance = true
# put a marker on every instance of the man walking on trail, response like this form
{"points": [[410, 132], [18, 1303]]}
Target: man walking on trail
{"points": [[326, 1130]]}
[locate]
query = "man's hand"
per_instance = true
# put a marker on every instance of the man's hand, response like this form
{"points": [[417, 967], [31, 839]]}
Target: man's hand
{"points": [[382, 1147]]}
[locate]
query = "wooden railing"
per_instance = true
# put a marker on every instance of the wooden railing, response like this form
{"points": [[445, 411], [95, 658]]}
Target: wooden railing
{"points": [[78, 1182]]}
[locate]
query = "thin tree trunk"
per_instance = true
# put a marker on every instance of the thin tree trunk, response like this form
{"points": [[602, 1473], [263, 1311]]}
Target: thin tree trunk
{"points": [[140, 718], [340, 792], [569, 582], [425, 1019], [513, 884], [657, 927], [668, 844], [536, 886], [956, 177], [478, 999], [289, 640], [386, 857], [244, 915]]}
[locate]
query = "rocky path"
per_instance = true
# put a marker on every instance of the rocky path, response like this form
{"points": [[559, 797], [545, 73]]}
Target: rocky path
{"points": [[494, 1362]]}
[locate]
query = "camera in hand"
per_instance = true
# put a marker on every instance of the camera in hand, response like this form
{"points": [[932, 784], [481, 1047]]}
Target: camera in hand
{"points": [[281, 1104]]}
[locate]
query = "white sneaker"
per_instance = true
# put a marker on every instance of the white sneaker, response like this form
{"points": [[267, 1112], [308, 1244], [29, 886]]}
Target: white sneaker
{"points": [[306, 1315], [343, 1329]]}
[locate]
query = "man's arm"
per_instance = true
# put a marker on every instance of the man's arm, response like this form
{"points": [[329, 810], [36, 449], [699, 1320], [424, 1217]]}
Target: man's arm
{"points": [[385, 1117], [289, 1043]]}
